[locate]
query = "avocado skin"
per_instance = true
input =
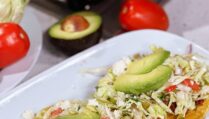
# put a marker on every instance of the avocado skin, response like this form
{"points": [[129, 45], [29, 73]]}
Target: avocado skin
{"points": [[80, 4], [71, 47], [148, 63], [86, 114], [137, 84]]}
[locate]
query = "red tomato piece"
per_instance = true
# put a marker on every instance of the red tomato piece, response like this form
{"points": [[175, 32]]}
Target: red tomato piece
{"points": [[192, 84], [170, 88], [56, 112], [143, 14], [104, 117], [14, 43]]}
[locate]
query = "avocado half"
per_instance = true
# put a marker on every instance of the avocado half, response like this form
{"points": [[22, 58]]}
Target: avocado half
{"points": [[73, 42]]}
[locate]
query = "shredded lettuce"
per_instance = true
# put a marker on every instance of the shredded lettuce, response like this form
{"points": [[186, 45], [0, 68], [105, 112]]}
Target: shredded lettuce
{"points": [[161, 103], [199, 75], [156, 112], [12, 10], [172, 98], [184, 102]]}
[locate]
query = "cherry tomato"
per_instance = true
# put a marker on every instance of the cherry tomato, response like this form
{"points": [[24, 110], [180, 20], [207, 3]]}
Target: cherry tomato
{"points": [[192, 84], [142, 14], [170, 88], [14, 43]]}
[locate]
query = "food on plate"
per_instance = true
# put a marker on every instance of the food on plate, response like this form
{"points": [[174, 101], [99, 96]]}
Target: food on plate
{"points": [[12, 10], [175, 88], [85, 114], [14, 43], [142, 14], [143, 82], [148, 63], [77, 32]]}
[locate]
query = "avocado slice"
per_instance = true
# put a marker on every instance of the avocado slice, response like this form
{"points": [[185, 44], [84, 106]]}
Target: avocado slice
{"points": [[137, 84], [84, 29], [86, 114], [148, 63]]}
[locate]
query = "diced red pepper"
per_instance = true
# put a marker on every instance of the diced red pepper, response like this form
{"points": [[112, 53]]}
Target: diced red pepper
{"points": [[170, 88], [192, 84], [56, 112]]}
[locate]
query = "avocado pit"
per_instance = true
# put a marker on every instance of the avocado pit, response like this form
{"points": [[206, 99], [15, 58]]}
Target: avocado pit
{"points": [[74, 23]]}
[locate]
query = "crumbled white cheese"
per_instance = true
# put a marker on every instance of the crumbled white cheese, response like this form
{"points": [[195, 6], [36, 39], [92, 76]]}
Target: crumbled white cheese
{"points": [[205, 90], [117, 114], [120, 103], [109, 113], [184, 88], [178, 71], [93, 102], [137, 114], [175, 80], [181, 96], [28, 115], [62, 104], [120, 99], [120, 66]]}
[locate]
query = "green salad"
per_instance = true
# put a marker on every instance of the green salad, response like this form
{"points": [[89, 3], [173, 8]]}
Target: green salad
{"points": [[154, 86]]}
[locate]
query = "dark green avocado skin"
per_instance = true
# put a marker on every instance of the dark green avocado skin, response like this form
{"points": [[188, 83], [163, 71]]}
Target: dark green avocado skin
{"points": [[71, 47], [80, 4]]}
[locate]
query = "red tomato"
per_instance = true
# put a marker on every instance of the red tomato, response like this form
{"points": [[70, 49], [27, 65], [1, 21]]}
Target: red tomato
{"points": [[56, 112], [142, 14], [14, 43], [170, 88], [192, 84], [104, 117]]}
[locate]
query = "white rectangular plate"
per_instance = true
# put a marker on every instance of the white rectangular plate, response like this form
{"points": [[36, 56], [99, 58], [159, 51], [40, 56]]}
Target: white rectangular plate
{"points": [[65, 80]]}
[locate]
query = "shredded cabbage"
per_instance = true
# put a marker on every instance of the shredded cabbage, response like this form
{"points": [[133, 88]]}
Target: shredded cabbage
{"points": [[12, 10], [184, 102], [161, 103], [156, 112]]}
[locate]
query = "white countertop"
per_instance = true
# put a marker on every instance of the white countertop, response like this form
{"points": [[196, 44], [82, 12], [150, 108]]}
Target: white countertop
{"points": [[188, 18]]}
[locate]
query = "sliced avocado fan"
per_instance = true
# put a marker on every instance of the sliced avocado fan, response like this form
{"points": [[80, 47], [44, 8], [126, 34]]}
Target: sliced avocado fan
{"points": [[85, 114], [137, 84], [148, 63]]}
